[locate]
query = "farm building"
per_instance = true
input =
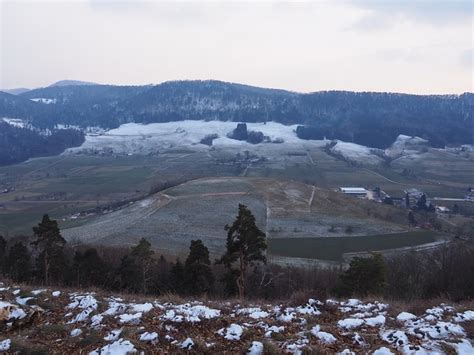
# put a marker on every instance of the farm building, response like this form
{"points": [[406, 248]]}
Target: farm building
{"points": [[354, 191], [442, 209]]}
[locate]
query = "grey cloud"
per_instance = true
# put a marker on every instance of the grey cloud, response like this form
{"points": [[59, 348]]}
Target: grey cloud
{"points": [[435, 12]]}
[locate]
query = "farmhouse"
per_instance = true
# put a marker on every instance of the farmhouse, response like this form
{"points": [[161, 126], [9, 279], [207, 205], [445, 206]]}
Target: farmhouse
{"points": [[354, 191], [414, 195], [442, 209]]}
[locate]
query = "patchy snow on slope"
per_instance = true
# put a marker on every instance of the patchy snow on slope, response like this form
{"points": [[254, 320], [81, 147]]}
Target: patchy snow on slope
{"points": [[256, 348], [42, 100], [5, 345], [405, 316], [119, 347], [232, 332], [135, 138], [406, 145], [149, 337], [357, 153], [345, 327]]}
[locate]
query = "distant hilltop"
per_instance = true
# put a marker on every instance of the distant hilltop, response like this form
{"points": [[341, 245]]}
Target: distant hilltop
{"points": [[71, 83]]}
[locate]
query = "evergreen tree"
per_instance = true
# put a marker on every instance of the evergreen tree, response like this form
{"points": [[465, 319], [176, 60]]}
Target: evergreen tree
{"points": [[3, 249], [17, 265], [421, 204], [88, 268], [50, 243], [365, 276], [142, 256], [177, 277], [246, 245], [162, 282], [128, 274], [197, 270]]}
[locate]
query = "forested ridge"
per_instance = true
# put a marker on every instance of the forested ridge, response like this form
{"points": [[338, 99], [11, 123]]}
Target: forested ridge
{"points": [[368, 118], [19, 144]]}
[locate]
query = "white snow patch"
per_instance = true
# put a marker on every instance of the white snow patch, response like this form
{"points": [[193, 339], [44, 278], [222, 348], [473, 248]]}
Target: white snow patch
{"points": [[75, 332], [5, 345], [120, 347], [375, 321], [256, 348], [382, 351], [113, 335], [56, 293], [149, 337], [187, 344], [405, 316], [350, 323], [130, 318], [232, 332], [143, 307], [324, 337]]}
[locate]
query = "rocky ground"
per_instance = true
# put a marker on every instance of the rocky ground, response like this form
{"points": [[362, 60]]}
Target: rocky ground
{"points": [[62, 321]]}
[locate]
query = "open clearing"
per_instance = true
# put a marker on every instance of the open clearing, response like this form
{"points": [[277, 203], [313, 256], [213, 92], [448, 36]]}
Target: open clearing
{"points": [[200, 209], [287, 185]]}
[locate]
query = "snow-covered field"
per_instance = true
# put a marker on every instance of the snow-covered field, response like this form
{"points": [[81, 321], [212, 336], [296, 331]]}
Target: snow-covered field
{"points": [[357, 153], [134, 138], [104, 324], [143, 139]]}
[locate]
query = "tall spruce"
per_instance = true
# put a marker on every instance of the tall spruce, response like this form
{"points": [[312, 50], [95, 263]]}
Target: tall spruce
{"points": [[50, 244], [246, 244], [3, 252], [142, 256], [197, 269], [88, 268], [177, 277], [17, 265]]}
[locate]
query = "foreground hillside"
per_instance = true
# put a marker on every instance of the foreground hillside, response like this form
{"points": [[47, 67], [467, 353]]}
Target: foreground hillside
{"points": [[45, 320]]}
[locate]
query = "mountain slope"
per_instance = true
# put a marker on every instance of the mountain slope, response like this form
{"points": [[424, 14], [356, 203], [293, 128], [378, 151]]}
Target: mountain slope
{"points": [[371, 119]]}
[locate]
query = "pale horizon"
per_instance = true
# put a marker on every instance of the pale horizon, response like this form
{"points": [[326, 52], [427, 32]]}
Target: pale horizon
{"points": [[417, 47]]}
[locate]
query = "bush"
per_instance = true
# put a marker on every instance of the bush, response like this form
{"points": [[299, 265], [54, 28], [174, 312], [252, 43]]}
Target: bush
{"points": [[365, 276]]}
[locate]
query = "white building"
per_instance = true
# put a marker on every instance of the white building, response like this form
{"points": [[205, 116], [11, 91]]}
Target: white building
{"points": [[354, 191]]}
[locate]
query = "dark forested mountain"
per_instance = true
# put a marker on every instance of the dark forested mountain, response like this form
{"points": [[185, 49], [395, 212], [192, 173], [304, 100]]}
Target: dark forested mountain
{"points": [[72, 82], [372, 119], [19, 144]]}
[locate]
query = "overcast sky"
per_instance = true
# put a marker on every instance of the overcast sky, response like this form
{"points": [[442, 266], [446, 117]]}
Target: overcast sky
{"points": [[416, 46]]}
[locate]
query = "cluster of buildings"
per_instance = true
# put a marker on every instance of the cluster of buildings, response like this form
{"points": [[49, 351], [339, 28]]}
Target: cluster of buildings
{"points": [[413, 198]]}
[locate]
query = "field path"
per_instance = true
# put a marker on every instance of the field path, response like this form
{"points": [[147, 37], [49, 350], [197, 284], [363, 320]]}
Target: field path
{"points": [[386, 178]]}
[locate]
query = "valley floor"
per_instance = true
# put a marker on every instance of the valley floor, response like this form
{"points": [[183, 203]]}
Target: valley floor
{"points": [[62, 321]]}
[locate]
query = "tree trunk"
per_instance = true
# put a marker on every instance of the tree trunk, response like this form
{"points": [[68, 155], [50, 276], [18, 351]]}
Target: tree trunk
{"points": [[46, 269], [241, 278]]}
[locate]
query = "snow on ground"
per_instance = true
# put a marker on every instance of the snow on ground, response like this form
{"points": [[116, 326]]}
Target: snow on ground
{"points": [[357, 153], [44, 101], [406, 145], [122, 325], [135, 138]]}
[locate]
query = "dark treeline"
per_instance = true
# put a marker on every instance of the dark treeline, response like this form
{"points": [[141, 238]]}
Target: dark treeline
{"points": [[367, 118], [19, 144], [45, 258]]}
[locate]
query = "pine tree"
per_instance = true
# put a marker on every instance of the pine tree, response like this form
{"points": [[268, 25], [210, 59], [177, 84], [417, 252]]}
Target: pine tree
{"points": [[142, 256], [177, 277], [88, 268], [246, 245], [17, 265], [197, 270], [50, 243], [366, 276], [3, 250], [128, 274]]}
